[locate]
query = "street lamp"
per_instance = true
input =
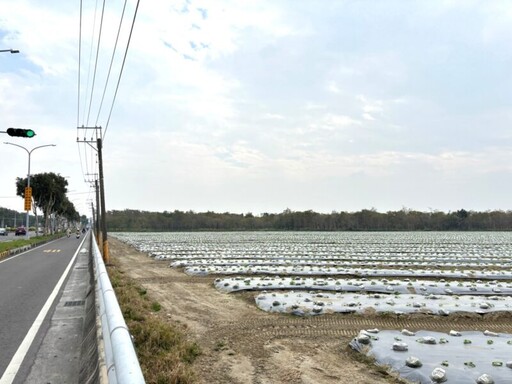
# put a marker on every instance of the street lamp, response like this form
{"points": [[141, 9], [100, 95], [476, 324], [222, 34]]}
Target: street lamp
{"points": [[10, 50], [28, 175]]}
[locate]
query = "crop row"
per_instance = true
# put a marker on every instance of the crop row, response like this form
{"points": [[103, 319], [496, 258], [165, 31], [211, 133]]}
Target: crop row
{"points": [[392, 286], [315, 303], [500, 274], [432, 357]]}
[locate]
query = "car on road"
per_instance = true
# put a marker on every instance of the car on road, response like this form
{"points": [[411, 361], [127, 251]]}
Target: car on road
{"points": [[20, 231], [3, 232]]}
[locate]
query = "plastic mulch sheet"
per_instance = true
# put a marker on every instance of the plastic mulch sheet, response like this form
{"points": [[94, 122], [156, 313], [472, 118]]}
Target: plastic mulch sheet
{"points": [[457, 358], [315, 303], [402, 286]]}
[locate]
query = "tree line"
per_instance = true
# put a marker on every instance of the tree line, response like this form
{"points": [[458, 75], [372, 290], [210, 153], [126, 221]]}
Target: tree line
{"points": [[49, 195], [288, 220], [11, 218]]}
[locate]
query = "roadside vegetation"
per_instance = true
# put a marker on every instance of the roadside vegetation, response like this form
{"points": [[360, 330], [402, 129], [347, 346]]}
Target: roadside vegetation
{"points": [[288, 220], [6, 246], [164, 353]]}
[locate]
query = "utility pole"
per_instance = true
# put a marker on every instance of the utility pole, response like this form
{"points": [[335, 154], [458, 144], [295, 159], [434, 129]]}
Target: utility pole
{"points": [[103, 242], [106, 257], [96, 213], [93, 224], [97, 223]]}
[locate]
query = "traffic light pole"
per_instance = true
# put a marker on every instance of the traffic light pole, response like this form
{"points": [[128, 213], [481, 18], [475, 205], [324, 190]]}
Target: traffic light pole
{"points": [[27, 234], [27, 226]]}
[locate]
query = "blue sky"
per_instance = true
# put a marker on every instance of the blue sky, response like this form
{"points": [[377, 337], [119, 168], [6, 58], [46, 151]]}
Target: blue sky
{"points": [[258, 106]]}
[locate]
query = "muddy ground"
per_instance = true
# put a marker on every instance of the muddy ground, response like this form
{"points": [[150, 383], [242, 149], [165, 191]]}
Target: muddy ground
{"points": [[242, 344]]}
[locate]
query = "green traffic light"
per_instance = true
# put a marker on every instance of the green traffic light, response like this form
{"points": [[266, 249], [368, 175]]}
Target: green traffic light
{"points": [[20, 132]]}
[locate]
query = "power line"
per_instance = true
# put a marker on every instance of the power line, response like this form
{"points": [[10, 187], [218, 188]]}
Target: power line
{"points": [[111, 61], [79, 81], [87, 153], [122, 67], [96, 60], [79, 63], [90, 55], [78, 193]]}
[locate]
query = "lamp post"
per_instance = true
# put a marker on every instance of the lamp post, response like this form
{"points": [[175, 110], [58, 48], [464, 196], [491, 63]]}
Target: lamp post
{"points": [[10, 50], [28, 174]]}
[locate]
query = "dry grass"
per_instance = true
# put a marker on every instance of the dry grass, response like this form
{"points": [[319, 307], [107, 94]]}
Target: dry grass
{"points": [[164, 353]]}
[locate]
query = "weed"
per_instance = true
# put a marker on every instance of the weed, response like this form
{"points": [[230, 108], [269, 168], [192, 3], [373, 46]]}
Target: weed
{"points": [[219, 346], [142, 291], [165, 355]]}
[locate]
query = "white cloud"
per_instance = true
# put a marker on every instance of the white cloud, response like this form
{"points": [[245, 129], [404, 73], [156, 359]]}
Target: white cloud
{"points": [[368, 116], [370, 108], [273, 116], [333, 87], [260, 105], [313, 106], [339, 121]]}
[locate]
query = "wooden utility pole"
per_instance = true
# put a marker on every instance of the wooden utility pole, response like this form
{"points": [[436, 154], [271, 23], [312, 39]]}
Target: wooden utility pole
{"points": [[97, 222], [94, 218], [100, 205], [106, 257]]}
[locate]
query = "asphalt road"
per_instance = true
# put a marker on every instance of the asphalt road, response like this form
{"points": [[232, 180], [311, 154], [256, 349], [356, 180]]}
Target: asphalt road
{"points": [[27, 281]]}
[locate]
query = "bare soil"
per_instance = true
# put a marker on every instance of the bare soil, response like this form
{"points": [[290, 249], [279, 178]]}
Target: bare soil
{"points": [[242, 344]]}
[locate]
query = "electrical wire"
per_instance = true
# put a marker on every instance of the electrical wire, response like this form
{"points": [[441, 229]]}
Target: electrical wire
{"points": [[79, 71], [111, 61], [87, 152], [122, 67], [79, 64], [90, 56], [96, 60]]}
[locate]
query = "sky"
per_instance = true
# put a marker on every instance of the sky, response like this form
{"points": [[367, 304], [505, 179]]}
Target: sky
{"points": [[263, 105]]}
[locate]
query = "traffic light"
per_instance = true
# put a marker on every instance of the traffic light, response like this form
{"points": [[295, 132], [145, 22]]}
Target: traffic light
{"points": [[20, 132]]}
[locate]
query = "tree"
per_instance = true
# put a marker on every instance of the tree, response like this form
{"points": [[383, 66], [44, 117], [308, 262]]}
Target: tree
{"points": [[364, 220], [68, 211], [48, 191]]}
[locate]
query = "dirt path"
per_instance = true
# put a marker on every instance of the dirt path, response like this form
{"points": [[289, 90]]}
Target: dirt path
{"points": [[242, 344]]}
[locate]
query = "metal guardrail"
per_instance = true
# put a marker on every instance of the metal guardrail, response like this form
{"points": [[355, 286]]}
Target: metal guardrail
{"points": [[122, 364]]}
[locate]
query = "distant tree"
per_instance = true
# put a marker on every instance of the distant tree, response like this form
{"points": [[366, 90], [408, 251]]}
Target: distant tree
{"points": [[364, 220], [48, 191], [68, 211], [462, 214], [7, 217]]}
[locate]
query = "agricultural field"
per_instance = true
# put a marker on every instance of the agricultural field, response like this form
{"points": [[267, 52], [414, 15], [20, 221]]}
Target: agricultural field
{"points": [[310, 274]]}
